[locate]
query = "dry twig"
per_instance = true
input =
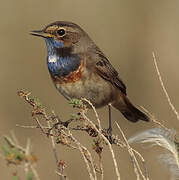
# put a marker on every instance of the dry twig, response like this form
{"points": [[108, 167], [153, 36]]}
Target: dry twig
{"points": [[163, 87], [107, 142], [63, 135], [137, 168]]}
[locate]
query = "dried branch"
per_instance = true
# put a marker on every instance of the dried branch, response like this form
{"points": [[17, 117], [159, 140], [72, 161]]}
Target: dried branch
{"points": [[55, 152], [86, 156], [16, 155], [154, 120], [96, 114], [137, 168], [61, 131], [163, 87], [107, 142]]}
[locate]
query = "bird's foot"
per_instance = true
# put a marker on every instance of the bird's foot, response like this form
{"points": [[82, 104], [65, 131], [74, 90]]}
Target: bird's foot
{"points": [[109, 135]]}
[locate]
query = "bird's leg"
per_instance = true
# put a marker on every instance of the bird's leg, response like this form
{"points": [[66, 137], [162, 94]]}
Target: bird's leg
{"points": [[109, 130]]}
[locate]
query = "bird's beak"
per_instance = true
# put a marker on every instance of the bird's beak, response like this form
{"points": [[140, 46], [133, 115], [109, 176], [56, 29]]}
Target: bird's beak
{"points": [[41, 33]]}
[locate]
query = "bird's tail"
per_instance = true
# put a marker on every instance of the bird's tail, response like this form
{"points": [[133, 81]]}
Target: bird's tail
{"points": [[128, 110]]}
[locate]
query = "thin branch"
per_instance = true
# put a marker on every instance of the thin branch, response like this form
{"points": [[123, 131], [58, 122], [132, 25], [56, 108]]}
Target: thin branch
{"points": [[144, 163], [163, 87], [31, 127], [95, 112], [102, 170], [15, 140], [12, 144], [64, 176], [55, 151], [40, 126], [137, 168], [82, 150], [27, 152], [154, 120], [34, 172], [106, 140]]}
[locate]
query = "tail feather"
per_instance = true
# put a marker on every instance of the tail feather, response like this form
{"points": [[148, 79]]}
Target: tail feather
{"points": [[129, 111]]}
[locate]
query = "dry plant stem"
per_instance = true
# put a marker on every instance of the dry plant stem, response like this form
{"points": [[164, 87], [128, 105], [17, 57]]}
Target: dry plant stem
{"points": [[96, 114], [25, 96], [34, 172], [154, 120], [64, 176], [15, 140], [106, 140], [8, 140], [87, 164], [30, 127], [124, 145], [130, 153], [102, 170], [55, 151], [82, 149], [137, 168], [163, 87], [144, 164], [39, 125], [27, 152], [134, 165], [100, 128], [42, 112]]}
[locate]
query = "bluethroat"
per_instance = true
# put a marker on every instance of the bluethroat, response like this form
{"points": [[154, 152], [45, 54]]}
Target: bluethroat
{"points": [[79, 69]]}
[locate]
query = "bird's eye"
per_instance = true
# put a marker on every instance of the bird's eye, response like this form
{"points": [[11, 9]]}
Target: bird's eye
{"points": [[61, 32]]}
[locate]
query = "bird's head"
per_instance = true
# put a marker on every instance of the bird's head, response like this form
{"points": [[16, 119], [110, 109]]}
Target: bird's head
{"points": [[63, 34]]}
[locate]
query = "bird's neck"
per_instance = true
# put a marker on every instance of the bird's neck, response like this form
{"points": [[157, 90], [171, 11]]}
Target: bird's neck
{"points": [[61, 61]]}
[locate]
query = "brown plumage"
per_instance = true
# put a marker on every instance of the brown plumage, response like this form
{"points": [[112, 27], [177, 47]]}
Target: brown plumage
{"points": [[79, 69]]}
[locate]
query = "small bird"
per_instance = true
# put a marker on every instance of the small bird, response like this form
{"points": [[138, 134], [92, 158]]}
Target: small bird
{"points": [[79, 69]]}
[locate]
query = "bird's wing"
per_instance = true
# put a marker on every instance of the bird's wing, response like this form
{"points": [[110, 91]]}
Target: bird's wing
{"points": [[107, 71]]}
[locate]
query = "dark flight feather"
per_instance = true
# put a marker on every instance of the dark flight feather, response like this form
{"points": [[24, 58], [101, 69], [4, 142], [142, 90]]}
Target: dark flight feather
{"points": [[107, 71]]}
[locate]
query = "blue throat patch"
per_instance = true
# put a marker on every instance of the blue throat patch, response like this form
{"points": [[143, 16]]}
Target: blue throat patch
{"points": [[63, 61]]}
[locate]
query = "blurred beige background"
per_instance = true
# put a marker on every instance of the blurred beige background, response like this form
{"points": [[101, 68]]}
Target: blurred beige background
{"points": [[127, 31]]}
